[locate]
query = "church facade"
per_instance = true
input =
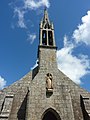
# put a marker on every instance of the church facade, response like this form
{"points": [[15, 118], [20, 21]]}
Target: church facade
{"points": [[45, 93]]}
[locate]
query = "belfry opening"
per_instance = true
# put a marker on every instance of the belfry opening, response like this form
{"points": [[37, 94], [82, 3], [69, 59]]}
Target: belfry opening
{"points": [[50, 37], [44, 37]]}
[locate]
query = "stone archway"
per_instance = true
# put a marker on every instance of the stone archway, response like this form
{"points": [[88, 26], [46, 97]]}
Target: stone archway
{"points": [[51, 114]]}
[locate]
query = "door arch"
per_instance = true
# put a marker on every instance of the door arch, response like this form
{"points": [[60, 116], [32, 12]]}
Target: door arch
{"points": [[50, 114]]}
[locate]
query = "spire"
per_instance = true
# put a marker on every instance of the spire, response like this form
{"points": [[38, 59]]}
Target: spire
{"points": [[46, 31], [46, 18]]}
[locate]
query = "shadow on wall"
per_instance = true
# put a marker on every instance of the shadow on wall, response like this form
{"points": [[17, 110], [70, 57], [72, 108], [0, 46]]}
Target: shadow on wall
{"points": [[22, 111]]}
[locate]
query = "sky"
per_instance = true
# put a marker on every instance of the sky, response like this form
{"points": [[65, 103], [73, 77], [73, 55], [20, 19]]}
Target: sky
{"points": [[19, 38]]}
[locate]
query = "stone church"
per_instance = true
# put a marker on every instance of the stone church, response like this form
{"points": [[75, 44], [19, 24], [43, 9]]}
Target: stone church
{"points": [[45, 93]]}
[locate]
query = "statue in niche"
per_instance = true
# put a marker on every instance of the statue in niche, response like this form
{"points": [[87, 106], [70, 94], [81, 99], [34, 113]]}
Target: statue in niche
{"points": [[49, 84]]}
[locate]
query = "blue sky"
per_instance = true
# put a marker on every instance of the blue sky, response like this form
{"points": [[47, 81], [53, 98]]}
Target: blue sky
{"points": [[19, 38]]}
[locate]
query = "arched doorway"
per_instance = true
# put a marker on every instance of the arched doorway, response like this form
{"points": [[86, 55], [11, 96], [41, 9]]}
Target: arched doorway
{"points": [[51, 114]]}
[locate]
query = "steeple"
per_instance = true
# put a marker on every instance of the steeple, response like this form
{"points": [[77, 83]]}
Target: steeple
{"points": [[46, 31], [47, 47]]}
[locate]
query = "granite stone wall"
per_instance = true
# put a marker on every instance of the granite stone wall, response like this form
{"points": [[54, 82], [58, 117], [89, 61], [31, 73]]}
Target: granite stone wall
{"points": [[31, 99]]}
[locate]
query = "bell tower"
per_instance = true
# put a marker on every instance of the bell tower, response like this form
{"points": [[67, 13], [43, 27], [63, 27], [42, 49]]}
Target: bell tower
{"points": [[47, 47], [46, 31]]}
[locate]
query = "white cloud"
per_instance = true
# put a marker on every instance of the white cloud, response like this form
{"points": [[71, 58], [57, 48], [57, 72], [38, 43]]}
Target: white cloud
{"points": [[74, 67], [31, 38], [36, 64], [82, 33], [33, 4], [2, 83], [20, 11], [21, 20]]}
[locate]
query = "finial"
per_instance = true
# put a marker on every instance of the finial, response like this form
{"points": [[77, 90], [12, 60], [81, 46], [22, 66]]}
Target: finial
{"points": [[45, 14], [45, 8]]}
